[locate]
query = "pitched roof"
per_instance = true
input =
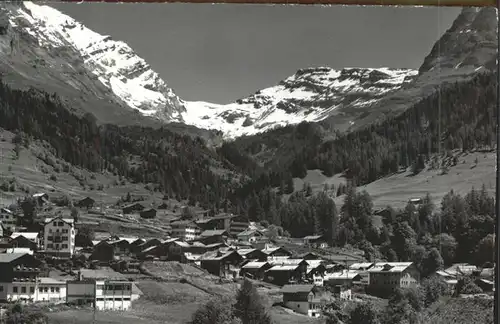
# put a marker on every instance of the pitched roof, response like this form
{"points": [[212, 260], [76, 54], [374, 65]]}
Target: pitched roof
{"points": [[288, 261], [66, 220], [6, 210], [313, 263], [9, 257], [254, 265], [182, 244], [346, 274], [312, 237], [273, 249], [208, 233], [390, 267], [19, 250], [217, 255], [361, 265], [284, 267], [249, 232], [244, 252], [290, 289], [28, 235], [461, 268]]}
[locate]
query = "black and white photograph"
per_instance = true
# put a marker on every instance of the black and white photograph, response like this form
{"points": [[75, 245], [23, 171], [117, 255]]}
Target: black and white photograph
{"points": [[182, 163]]}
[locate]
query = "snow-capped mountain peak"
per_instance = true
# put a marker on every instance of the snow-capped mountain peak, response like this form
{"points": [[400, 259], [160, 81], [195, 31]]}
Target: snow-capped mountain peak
{"points": [[311, 94], [114, 63]]}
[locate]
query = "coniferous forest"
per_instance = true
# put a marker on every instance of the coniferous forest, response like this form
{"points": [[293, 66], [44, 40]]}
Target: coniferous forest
{"points": [[460, 116]]}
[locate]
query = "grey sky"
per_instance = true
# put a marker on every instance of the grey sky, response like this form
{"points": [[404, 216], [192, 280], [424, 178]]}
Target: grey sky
{"points": [[219, 53]]}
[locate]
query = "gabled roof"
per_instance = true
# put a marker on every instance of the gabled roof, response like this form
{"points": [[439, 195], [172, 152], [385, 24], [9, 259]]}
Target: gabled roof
{"points": [[197, 244], [284, 267], [169, 240], [291, 289], [288, 262], [217, 255], [312, 237], [346, 274], [182, 244], [133, 204], [312, 264], [443, 273], [361, 265], [9, 257], [461, 268], [390, 267], [128, 239], [303, 255], [6, 210], [254, 265], [70, 221], [28, 235], [269, 251], [146, 250], [19, 250], [244, 252], [249, 232], [209, 233]]}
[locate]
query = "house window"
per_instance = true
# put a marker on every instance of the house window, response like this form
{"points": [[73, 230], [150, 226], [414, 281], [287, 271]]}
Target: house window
{"points": [[50, 230], [65, 231], [64, 238], [57, 289], [14, 289], [65, 246], [40, 289], [60, 224], [45, 289], [23, 290], [52, 289], [32, 290], [50, 246], [54, 224], [1, 288]]}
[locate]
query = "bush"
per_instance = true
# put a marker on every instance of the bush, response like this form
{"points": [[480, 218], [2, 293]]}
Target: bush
{"points": [[19, 314], [432, 289], [467, 286]]}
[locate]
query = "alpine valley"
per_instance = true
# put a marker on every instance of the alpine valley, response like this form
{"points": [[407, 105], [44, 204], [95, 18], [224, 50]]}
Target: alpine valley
{"points": [[322, 152]]}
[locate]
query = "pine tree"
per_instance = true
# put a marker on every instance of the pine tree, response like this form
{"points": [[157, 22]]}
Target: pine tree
{"points": [[249, 306]]}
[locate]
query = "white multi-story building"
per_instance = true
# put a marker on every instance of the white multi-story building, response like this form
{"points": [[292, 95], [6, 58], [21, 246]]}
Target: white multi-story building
{"points": [[104, 293], [41, 289], [59, 237], [185, 230]]}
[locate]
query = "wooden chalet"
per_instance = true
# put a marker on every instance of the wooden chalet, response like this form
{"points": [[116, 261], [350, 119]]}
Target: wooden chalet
{"points": [[135, 207], [281, 272], [306, 299], [255, 269], [252, 254], [148, 213], [86, 202], [274, 253], [222, 264], [213, 236]]}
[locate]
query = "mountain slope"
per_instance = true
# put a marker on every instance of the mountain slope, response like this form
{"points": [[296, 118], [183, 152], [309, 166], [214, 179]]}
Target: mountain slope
{"points": [[468, 47], [113, 62], [310, 94]]}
